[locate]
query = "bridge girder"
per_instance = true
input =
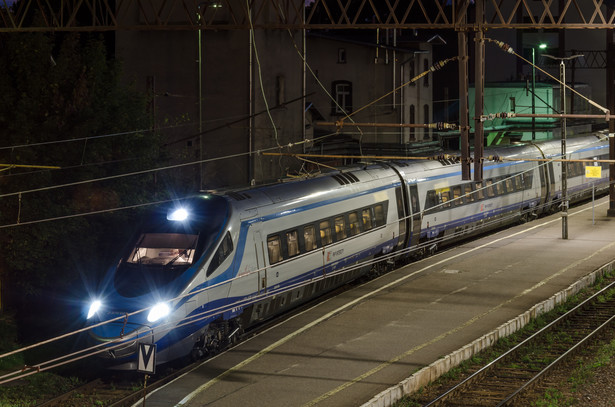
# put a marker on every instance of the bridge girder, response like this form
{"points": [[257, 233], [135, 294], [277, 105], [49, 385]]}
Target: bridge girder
{"points": [[107, 15]]}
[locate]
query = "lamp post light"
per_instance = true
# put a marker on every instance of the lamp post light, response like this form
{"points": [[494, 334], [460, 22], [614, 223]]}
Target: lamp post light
{"points": [[540, 46], [562, 75]]}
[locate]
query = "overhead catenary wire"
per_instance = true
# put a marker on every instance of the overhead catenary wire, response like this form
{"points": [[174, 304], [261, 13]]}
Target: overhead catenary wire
{"points": [[135, 173], [438, 65], [206, 314], [507, 48], [260, 75]]}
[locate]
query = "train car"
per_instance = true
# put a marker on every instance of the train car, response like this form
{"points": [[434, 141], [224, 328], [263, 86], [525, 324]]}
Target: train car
{"points": [[204, 269]]}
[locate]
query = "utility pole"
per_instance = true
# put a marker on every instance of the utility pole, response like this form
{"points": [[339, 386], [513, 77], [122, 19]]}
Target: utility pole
{"points": [[562, 95]]}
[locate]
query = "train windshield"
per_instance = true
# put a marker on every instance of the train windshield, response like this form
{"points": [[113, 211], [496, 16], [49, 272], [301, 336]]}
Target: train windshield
{"points": [[165, 253], [164, 249]]}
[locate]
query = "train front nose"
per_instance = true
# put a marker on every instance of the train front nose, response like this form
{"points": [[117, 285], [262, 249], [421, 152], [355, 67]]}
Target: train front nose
{"points": [[121, 338]]}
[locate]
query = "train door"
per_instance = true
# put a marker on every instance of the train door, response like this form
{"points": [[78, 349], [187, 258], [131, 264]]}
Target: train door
{"points": [[415, 225], [261, 263], [402, 215], [552, 194]]}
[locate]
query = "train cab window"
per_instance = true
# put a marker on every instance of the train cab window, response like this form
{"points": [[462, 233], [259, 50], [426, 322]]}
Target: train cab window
{"points": [[353, 223], [457, 195], [340, 228], [379, 215], [309, 238], [292, 244], [325, 232], [469, 196], [480, 192], [366, 216], [274, 249], [164, 249], [225, 248]]}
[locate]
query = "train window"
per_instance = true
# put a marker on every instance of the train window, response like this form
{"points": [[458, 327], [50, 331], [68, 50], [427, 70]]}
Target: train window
{"points": [[457, 195], [509, 185], [467, 189], [379, 215], [292, 243], [445, 198], [430, 200], [325, 232], [578, 168], [353, 223], [367, 219], [164, 249], [519, 182], [273, 246], [480, 192], [499, 184], [309, 238], [489, 188], [340, 228], [226, 247], [414, 200], [527, 180]]}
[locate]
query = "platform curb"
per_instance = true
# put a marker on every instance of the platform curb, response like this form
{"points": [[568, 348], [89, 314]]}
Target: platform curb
{"points": [[430, 373]]}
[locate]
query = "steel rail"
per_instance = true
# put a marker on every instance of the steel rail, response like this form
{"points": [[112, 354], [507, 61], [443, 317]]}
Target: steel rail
{"points": [[442, 398]]}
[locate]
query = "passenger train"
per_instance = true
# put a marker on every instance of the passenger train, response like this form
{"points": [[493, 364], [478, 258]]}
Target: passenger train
{"points": [[205, 268]]}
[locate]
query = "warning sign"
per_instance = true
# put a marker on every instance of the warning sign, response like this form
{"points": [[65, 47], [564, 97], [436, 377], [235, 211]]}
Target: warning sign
{"points": [[147, 358], [593, 171]]}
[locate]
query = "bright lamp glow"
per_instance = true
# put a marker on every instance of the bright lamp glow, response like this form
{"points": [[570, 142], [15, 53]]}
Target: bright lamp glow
{"points": [[178, 214], [542, 46], [159, 310], [94, 307]]}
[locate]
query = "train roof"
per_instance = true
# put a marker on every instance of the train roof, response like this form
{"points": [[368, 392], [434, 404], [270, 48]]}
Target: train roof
{"points": [[304, 188]]}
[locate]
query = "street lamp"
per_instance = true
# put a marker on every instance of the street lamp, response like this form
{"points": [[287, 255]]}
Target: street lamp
{"points": [[540, 46], [562, 75]]}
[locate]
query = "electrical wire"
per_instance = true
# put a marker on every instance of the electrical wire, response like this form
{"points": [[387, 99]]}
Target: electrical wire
{"points": [[260, 75], [91, 351], [507, 48]]}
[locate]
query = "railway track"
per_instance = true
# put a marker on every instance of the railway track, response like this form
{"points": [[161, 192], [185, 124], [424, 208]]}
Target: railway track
{"points": [[508, 379]]}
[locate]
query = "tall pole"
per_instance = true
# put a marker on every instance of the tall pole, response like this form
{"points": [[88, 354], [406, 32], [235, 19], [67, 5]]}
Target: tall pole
{"points": [[200, 73], [562, 74], [610, 92], [533, 93], [464, 125], [479, 87]]}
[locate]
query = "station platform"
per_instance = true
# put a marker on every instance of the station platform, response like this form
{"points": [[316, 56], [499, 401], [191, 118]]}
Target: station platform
{"points": [[350, 348]]}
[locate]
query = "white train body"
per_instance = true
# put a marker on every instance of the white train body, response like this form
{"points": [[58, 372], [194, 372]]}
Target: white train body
{"points": [[255, 253]]}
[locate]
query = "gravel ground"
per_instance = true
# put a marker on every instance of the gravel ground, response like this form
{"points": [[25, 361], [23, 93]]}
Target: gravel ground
{"points": [[600, 392]]}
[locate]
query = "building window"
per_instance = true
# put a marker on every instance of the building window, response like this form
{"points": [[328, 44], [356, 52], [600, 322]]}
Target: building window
{"points": [[426, 68], [412, 70], [341, 55], [342, 91]]}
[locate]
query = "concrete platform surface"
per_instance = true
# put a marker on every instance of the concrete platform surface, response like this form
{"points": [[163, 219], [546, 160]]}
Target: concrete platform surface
{"points": [[349, 348]]}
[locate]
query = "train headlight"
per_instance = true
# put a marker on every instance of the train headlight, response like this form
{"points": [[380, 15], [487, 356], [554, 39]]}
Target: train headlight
{"points": [[94, 307], [158, 311], [180, 214]]}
